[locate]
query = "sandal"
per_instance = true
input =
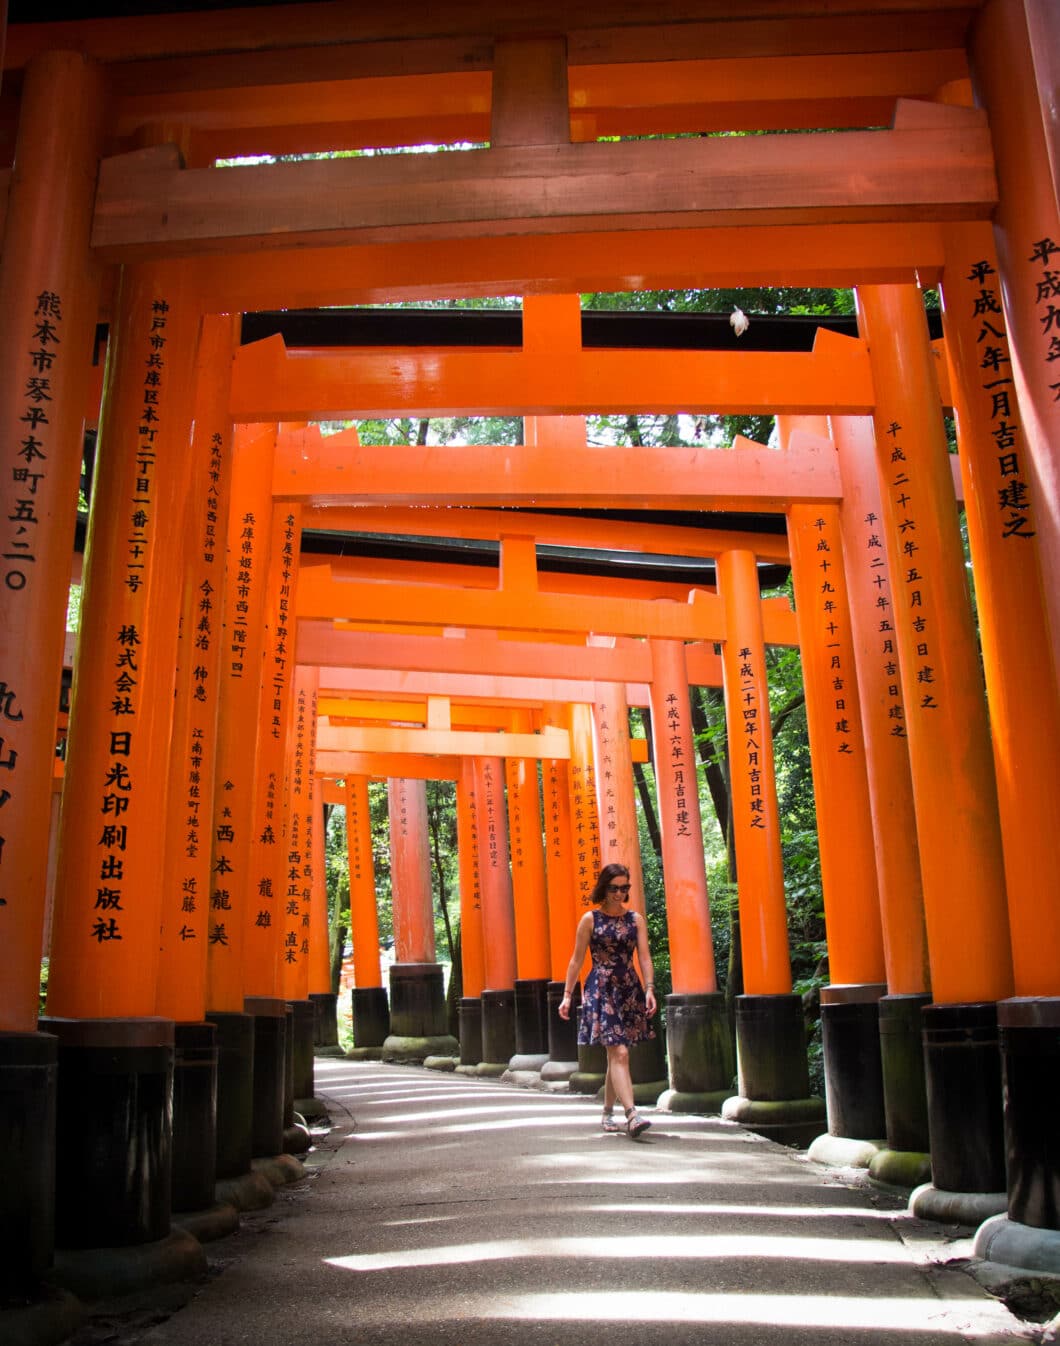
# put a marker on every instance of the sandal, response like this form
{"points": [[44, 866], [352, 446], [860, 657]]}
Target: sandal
{"points": [[636, 1124], [609, 1123]]}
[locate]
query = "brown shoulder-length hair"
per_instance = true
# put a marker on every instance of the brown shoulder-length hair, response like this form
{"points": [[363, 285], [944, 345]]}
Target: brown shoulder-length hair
{"points": [[607, 874]]}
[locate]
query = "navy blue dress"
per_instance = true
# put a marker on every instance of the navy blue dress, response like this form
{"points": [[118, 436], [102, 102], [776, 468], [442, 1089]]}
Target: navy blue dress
{"points": [[614, 1011]]}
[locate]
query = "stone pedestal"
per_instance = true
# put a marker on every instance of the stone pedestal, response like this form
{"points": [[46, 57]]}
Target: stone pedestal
{"points": [[325, 1018], [853, 1074], [235, 1092], [418, 1026], [371, 1018], [28, 1077], [469, 1012], [114, 1131], [772, 1074], [1029, 1038], [270, 1074], [562, 1060], [498, 1031], [194, 1115], [700, 1053], [962, 1063]]}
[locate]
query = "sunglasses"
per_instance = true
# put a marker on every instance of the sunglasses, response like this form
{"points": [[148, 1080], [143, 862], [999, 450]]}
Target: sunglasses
{"points": [[618, 887]]}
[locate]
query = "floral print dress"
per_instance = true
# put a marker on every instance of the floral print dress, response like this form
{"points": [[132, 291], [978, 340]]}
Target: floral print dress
{"points": [[613, 1009]]}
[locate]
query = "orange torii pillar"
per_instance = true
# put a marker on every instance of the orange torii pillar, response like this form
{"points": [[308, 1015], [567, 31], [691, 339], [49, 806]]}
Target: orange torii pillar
{"points": [[417, 990], [869, 591], [1003, 516], [323, 999], [949, 749], [114, 1129], [698, 1042], [242, 608], [850, 1026], [181, 992], [472, 965], [303, 825], [261, 905], [772, 1069], [49, 298], [368, 999], [498, 919], [1012, 54], [562, 912], [616, 809], [530, 908], [585, 834]]}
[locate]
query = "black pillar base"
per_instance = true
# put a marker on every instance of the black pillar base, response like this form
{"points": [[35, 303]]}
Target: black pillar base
{"points": [[194, 1115], [418, 1023], [114, 1131], [853, 1074], [498, 1028], [531, 1017], [562, 1033], [235, 1092], [371, 1016], [962, 1064], [325, 1018], [28, 1078], [1029, 1032], [771, 1048], [270, 1074], [303, 1024], [699, 1049], [902, 1064], [469, 1012], [288, 1070]]}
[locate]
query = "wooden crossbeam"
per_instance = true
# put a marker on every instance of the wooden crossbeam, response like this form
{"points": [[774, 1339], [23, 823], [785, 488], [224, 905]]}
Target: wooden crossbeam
{"points": [[549, 743], [148, 206]]}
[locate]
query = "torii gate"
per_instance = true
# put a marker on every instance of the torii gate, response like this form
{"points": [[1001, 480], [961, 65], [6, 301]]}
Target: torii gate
{"points": [[866, 208]]}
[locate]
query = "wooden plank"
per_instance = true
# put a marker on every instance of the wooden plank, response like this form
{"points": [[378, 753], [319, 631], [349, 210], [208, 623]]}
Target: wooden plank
{"points": [[147, 207], [550, 742]]}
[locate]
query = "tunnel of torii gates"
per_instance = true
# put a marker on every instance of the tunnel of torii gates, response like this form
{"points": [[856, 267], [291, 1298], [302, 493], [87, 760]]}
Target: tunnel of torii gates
{"points": [[227, 678]]}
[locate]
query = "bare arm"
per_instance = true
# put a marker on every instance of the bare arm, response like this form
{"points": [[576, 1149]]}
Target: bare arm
{"points": [[644, 958], [581, 943]]}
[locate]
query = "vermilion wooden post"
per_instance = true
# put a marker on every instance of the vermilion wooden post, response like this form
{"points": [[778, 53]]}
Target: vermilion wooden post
{"points": [[616, 807], [949, 744], [585, 826], [181, 992], [697, 1029], [498, 918], [472, 956], [246, 568], [770, 1040], [371, 1012], [849, 1016], [298, 900], [872, 617], [49, 297], [108, 896], [1004, 513], [323, 998], [563, 910], [417, 998], [1011, 42], [530, 905]]}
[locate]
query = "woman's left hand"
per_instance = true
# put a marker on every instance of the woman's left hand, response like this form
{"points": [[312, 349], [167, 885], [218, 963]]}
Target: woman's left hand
{"points": [[649, 996]]}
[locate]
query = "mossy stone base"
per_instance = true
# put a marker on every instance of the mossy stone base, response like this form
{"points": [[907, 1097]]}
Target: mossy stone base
{"points": [[585, 1082], [463, 1069], [279, 1169], [54, 1317], [443, 1063], [415, 1050], [558, 1072], [216, 1222], [248, 1191], [296, 1139], [901, 1168], [311, 1109], [522, 1079], [789, 1121], [331, 1049], [681, 1101], [107, 1273], [364, 1054], [1013, 1244], [968, 1208], [490, 1070], [844, 1151]]}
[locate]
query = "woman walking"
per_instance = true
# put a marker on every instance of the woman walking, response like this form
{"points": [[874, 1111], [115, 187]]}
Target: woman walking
{"points": [[615, 1011]]}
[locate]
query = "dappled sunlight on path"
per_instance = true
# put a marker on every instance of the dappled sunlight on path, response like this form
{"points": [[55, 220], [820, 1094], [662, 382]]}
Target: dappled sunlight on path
{"points": [[455, 1210]]}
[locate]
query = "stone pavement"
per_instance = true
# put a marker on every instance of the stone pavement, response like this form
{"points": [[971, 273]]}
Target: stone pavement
{"points": [[444, 1209]]}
